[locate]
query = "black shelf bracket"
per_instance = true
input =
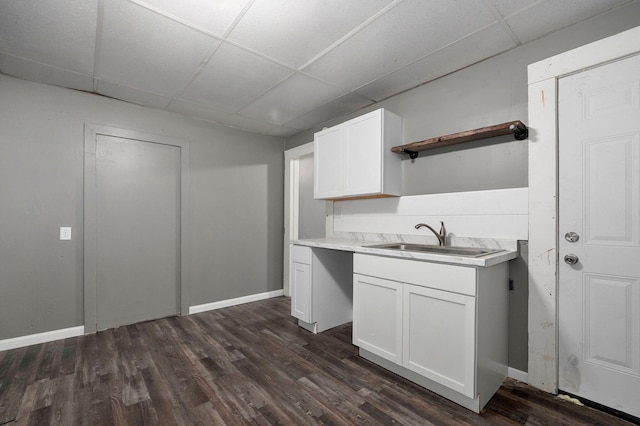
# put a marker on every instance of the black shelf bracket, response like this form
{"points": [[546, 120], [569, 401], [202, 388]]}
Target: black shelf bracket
{"points": [[412, 154]]}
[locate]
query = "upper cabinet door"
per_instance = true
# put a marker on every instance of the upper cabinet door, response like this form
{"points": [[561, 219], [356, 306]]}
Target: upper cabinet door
{"points": [[363, 171], [328, 166], [354, 159]]}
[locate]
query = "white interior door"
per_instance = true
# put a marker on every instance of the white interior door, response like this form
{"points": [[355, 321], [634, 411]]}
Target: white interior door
{"points": [[599, 201]]}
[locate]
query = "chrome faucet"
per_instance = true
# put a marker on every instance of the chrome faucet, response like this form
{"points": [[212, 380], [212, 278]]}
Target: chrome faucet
{"points": [[442, 235]]}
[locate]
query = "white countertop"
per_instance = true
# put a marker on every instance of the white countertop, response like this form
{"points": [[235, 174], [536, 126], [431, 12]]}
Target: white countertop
{"points": [[359, 246]]}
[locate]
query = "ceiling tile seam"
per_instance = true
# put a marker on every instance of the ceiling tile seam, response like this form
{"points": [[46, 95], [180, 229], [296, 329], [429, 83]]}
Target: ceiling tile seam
{"points": [[260, 54], [350, 34], [33, 61], [238, 18], [413, 62], [503, 23], [98, 79], [98, 46], [221, 38], [617, 6], [218, 37], [269, 123], [197, 104], [176, 19], [520, 11], [257, 98], [197, 73], [263, 93], [319, 107], [446, 74]]}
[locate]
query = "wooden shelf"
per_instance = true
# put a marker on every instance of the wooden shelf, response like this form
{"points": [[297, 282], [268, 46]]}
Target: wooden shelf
{"points": [[517, 128]]}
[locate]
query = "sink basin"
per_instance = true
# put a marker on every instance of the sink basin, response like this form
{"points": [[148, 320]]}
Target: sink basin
{"points": [[424, 248]]}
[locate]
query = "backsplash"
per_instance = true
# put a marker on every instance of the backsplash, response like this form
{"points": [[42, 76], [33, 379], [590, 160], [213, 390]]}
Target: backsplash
{"points": [[477, 218]]}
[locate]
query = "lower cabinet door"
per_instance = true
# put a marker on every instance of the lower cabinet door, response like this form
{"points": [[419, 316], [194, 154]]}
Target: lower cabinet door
{"points": [[439, 337], [301, 295], [377, 316]]}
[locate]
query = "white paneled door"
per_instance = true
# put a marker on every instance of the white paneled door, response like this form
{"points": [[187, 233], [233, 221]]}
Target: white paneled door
{"points": [[599, 235]]}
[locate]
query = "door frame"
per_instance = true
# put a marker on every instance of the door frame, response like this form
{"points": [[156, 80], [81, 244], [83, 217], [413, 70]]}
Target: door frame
{"points": [[292, 159], [543, 194], [91, 132]]}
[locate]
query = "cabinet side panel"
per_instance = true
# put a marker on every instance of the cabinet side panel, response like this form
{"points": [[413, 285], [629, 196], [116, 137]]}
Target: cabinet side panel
{"points": [[392, 162], [493, 316]]}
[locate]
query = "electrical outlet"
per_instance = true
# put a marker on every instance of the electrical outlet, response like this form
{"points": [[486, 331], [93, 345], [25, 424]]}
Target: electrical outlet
{"points": [[65, 233]]}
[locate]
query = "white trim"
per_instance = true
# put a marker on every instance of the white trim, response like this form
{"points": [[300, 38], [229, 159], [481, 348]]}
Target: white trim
{"points": [[543, 194], [292, 158], [233, 302], [519, 375], [592, 54], [47, 336]]}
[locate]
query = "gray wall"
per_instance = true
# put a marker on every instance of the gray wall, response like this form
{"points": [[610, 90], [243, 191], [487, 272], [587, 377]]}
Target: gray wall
{"points": [[236, 201], [490, 92]]}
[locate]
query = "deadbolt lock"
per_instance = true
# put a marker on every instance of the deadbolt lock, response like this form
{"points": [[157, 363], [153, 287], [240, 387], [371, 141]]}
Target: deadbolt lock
{"points": [[572, 237]]}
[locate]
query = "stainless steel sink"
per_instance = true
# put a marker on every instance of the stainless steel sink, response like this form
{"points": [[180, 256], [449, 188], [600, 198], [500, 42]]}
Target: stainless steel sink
{"points": [[424, 248]]}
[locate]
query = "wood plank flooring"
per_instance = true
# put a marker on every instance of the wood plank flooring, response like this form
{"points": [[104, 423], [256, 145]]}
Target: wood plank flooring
{"points": [[247, 364]]}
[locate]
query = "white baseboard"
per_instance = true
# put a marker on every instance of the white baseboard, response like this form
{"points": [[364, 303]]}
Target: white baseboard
{"points": [[232, 302], [34, 339], [519, 375]]}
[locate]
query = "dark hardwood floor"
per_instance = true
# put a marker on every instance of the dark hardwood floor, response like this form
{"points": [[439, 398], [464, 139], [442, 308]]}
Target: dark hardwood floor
{"points": [[247, 364]]}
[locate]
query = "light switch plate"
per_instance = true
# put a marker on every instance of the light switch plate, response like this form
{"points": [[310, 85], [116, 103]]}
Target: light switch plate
{"points": [[65, 233]]}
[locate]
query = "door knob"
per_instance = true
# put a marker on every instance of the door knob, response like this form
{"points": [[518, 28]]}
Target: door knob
{"points": [[572, 237], [571, 259]]}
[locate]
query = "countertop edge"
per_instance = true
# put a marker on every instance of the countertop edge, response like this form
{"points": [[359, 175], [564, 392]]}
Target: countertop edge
{"points": [[358, 246]]}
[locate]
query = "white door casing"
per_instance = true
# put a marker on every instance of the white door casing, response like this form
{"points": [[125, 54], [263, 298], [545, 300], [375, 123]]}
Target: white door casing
{"points": [[543, 194], [292, 160], [599, 188]]}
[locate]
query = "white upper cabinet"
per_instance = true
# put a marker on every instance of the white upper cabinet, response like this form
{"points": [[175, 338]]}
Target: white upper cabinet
{"points": [[354, 159]]}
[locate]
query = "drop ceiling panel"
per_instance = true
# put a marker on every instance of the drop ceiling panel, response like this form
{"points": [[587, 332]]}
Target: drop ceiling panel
{"points": [[410, 30], [342, 106], [483, 44], [270, 66], [232, 78], [295, 96], [294, 31], [282, 131], [61, 33], [509, 7], [552, 15], [129, 94], [248, 123], [213, 16], [33, 71], [148, 51], [194, 110]]}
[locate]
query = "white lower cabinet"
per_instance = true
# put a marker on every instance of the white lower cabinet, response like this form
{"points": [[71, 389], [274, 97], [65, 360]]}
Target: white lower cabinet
{"points": [[378, 326], [301, 279], [442, 326], [439, 337]]}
